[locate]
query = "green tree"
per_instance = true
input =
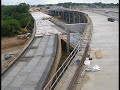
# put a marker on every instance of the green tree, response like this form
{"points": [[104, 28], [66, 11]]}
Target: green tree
{"points": [[10, 27], [22, 8], [24, 21], [15, 18]]}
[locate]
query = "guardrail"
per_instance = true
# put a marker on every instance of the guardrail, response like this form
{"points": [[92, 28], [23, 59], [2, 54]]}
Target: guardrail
{"points": [[54, 80], [87, 33], [72, 84]]}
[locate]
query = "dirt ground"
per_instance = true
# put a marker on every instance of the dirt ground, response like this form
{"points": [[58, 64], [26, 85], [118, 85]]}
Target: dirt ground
{"points": [[9, 44]]}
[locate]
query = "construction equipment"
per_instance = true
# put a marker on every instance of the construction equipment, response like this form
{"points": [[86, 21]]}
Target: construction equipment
{"points": [[23, 36]]}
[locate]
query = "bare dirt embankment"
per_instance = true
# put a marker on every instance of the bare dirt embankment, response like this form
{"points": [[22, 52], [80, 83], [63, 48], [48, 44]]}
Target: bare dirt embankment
{"points": [[9, 44]]}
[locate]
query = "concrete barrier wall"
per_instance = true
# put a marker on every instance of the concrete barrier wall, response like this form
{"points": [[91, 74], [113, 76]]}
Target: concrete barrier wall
{"points": [[79, 27]]}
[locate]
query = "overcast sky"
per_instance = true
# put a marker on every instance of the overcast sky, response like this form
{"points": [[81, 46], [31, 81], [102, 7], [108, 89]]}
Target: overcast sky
{"points": [[36, 2]]}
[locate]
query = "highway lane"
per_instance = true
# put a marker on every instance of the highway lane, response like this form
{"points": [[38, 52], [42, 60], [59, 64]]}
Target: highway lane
{"points": [[113, 13], [105, 38]]}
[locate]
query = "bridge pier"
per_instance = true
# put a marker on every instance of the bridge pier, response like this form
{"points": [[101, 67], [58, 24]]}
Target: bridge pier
{"points": [[68, 40], [69, 18], [79, 18], [73, 18], [65, 14]]}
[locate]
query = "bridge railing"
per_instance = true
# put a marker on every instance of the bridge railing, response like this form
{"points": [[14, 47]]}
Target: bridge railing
{"points": [[83, 43], [87, 34], [56, 77]]}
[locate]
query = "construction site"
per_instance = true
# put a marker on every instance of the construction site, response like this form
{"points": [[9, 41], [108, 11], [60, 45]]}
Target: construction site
{"points": [[54, 54]]}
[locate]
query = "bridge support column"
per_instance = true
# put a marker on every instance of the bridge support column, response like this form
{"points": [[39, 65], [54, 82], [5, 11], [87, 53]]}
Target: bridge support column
{"points": [[68, 42], [68, 39], [63, 15], [51, 13], [84, 19], [54, 13], [79, 18], [73, 18], [58, 13], [69, 17]]}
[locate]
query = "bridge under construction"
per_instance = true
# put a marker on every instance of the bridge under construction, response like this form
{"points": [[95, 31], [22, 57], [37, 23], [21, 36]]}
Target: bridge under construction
{"points": [[37, 66]]}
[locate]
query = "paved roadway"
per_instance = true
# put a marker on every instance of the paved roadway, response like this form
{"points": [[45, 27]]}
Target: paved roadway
{"points": [[105, 38], [113, 13], [32, 69]]}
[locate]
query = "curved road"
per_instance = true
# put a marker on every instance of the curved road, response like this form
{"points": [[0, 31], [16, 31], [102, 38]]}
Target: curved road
{"points": [[31, 70], [105, 38]]}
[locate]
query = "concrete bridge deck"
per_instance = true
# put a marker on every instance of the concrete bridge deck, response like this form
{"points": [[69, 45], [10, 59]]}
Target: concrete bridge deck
{"points": [[31, 70], [33, 67], [105, 38]]}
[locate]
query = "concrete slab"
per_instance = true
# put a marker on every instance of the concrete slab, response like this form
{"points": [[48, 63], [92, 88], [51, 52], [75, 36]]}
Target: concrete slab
{"points": [[38, 70], [44, 61], [6, 80], [11, 88], [19, 80], [49, 51], [41, 50], [3, 87], [30, 53], [36, 42], [14, 71], [39, 15], [28, 68], [105, 37], [32, 79], [42, 47], [28, 87], [21, 63]]}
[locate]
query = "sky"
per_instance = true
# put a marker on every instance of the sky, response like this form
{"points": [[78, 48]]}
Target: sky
{"points": [[36, 2]]}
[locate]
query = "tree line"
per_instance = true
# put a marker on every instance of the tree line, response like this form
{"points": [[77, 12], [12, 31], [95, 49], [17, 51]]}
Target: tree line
{"points": [[16, 19], [93, 5], [90, 5]]}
